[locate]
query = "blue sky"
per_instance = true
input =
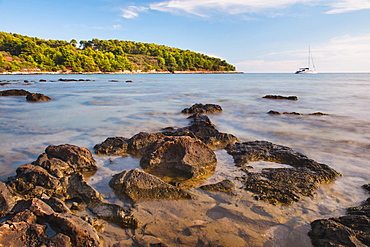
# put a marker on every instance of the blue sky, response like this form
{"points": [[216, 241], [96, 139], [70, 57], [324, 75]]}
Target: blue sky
{"points": [[253, 35]]}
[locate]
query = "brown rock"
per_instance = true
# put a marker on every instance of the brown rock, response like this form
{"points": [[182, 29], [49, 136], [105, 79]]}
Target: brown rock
{"points": [[138, 185], [179, 157], [200, 108], [37, 97], [14, 92]]}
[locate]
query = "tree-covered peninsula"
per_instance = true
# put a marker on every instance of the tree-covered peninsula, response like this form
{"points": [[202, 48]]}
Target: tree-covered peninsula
{"points": [[30, 54]]}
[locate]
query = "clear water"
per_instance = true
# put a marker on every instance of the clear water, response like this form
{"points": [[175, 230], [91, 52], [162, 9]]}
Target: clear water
{"points": [[87, 112]]}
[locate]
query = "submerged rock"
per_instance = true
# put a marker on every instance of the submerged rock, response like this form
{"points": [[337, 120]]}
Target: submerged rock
{"points": [[39, 97], [200, 108], [180, 158], [272, 112], [14, 92], [138, 185], [269, 96], [283, 185], [352, 229]]}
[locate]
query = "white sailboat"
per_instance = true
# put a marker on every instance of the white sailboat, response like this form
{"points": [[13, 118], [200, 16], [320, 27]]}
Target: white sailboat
{"points": [[308, 70]]}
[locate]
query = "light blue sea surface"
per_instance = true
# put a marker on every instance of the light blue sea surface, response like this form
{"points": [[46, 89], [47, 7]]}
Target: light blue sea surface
{"points": [[85, 113]]}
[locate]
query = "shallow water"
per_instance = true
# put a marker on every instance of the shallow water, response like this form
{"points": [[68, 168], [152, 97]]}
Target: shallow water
{"points": [[87, 112]]}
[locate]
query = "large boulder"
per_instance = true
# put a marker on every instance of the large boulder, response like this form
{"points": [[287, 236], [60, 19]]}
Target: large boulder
{"points": [[283, 185], [180, 158], [138, 185]]}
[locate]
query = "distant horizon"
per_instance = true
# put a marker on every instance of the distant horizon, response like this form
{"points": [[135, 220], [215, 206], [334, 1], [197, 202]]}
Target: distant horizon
{"points": [[258, 37]]}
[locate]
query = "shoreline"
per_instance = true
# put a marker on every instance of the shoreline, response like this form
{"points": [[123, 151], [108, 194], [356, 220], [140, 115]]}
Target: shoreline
{"points": [[118, 73]]}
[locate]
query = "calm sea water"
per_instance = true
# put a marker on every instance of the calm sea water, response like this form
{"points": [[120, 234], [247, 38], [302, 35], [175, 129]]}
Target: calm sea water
{"points": [[85, 113]]}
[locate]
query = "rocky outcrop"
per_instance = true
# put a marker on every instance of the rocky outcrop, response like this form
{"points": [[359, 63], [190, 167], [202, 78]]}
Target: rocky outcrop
{"points": [[37, 97], [113, 145], [23, 227], [352, 229], [200, 108], [279, 185], [269, 96], [180, 158], [138, 185], [7, 199], [14, 92]]}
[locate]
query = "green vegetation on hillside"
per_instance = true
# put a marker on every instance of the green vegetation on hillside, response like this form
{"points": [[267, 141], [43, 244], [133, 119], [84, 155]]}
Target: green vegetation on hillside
{"points": [[23, 53]]}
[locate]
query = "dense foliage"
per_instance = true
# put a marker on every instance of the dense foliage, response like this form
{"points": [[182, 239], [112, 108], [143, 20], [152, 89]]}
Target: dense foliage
{"points": [[23, 53]]}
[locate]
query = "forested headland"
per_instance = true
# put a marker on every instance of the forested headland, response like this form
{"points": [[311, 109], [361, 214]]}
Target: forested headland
{"points": [[19, 53]]}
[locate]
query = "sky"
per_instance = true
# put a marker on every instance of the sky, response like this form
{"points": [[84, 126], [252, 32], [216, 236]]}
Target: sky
{"points": [[256, 36]]}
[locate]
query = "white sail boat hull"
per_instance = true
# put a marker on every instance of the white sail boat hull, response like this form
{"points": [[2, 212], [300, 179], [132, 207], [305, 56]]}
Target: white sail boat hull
{"points": [[308, 70]]}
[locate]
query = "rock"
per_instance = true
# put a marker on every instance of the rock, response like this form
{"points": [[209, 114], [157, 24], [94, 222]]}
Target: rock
{"points": [[57, 205], [54, 166], [202, 128], [115, 214], [35, 205], [79, 159], [80, 232], [272, 112], [42, 80], [179, 157], [225, 185], [138, 185], [78, 188], [112, 145], [280, 97], [283, 185], [14, 92], [7, 199], [200, 108], [141, 141], [39, 97]]}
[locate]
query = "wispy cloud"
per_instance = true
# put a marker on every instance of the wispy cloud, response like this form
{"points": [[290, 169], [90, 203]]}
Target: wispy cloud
{"points": [[132, 11], [348, 6], [205, 8]]}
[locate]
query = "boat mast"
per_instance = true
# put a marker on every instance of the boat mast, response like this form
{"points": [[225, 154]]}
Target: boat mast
{"points": [[309, 57]]}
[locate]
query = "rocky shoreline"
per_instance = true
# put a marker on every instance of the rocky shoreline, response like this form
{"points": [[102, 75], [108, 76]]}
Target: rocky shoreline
{"points": [[49, 193]]}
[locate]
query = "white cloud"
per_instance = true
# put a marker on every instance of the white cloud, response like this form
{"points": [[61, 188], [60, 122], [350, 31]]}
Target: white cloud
{"points": [[205, 8], [132, 11], [349, 5]]}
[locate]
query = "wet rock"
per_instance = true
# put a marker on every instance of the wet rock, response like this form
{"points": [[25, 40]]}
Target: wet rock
{"points": [[179, 157], [35, 205], [202, 128], [200, 108], [280, 97], [54, 166], [79, 159], [225, 185], [279, 185], [115, 214], [138, 185], [57, 205], [112, 145], [272, 112], [14, 92], [37, 97], [7, 199]]}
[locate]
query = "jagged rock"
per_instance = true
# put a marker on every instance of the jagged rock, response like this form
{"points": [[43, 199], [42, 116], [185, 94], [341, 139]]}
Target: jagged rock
{"points": [[79, 159], [141, 141], [7, 199], [57, 205], [78, 188], [14, 92], [39, 97], [80, 232], [225, 185], [269, 96], [54, 166], [200, 108], [112, 145], [284, 185], [35, 205], [179, 157], [139, 185], [272, 112], [202, 128], [115, 214]]}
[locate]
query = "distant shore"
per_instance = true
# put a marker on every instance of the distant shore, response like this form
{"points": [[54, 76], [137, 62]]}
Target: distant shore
{"points": [[118, 73]]}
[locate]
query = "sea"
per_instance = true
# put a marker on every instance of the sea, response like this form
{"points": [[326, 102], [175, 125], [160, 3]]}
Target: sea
{"points": [[90, 108]]}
